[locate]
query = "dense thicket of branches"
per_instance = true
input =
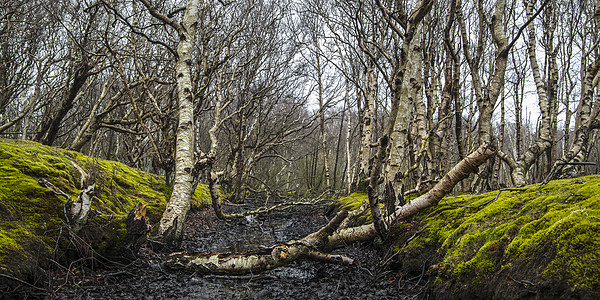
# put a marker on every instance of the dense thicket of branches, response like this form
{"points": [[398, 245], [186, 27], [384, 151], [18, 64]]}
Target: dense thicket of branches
{"points": [[302, 95]]}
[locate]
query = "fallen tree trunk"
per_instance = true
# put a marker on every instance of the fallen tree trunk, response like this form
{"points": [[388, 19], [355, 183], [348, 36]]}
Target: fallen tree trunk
{"points": [[461, 171], [315, 245], [265, 258]]}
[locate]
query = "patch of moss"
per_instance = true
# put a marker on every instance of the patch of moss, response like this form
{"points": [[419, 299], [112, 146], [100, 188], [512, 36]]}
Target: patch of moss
{"points": [[352, 201], [545, 239], [31, 216]]}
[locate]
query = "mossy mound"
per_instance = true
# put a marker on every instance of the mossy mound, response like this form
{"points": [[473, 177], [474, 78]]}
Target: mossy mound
{"points": [[541, 242], [32, 226]]}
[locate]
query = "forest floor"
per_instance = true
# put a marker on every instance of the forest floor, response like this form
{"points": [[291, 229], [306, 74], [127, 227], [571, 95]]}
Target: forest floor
{"points": [[147, 278]]}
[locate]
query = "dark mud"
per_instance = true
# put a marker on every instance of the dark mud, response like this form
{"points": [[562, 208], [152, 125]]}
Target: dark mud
{"points": [[147, 278]]}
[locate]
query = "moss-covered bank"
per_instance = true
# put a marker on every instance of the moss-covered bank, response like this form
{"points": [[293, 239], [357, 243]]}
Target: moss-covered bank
{"points": [[32, 228], [542, 242]]}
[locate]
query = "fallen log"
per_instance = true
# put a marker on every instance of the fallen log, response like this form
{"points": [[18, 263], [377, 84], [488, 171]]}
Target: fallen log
{"points": [[315, 245], [266, 258]]}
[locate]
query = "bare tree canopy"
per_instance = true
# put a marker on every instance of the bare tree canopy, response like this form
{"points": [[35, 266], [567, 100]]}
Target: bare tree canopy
{"points": [[316, 99]]}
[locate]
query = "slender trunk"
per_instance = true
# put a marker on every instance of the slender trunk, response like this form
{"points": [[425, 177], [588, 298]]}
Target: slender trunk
{"points": [[172, 221], [92, 124], [348, 131], [420, 123], [238, 161], [544, 140], [439, 154], [585, 121], [519, 117], [25, 113], [337, 150], [495, 178], [552, 86], [49, 130], [322, 123], [367, 122], [458, 108]]}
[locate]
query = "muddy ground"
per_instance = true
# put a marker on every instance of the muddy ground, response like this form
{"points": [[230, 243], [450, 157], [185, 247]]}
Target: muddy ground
{"points": [[147, 278]]}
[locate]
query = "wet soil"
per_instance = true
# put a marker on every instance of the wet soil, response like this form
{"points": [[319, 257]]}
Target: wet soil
{"points": [[147, 278]]}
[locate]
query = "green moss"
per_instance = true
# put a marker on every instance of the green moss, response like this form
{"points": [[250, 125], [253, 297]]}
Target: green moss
{"points": [[548, 233], [353, 201], [31, 216]]}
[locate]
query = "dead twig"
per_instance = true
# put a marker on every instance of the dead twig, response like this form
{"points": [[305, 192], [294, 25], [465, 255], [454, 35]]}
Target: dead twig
{"points": [[525, 283], [387, 261]]}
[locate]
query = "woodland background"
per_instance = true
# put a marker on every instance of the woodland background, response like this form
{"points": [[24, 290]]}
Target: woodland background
{"points": [[293, 96]]}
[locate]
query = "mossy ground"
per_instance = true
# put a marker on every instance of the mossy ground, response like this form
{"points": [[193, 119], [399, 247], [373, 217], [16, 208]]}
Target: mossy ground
{"points": [[32, 217], [541, 242]]}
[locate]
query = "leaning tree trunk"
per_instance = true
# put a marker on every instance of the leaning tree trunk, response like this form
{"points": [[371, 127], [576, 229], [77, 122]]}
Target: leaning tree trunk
{"points": [[50, 129], [315, 245], [172, 221]]}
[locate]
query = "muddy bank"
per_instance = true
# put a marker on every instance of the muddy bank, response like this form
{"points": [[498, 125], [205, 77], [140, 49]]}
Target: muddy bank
{"points": [[147, 278]]}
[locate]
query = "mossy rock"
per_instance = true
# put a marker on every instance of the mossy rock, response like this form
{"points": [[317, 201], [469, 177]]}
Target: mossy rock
{"points": [[32, 228], [542, 242]]}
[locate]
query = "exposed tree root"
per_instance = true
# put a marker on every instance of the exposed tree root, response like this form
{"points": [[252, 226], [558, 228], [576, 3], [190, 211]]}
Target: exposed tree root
{"points": [[78, 214]]}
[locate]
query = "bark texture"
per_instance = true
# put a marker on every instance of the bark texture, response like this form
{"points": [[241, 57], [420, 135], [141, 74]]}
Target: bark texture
{"points": [[172, 221], [367, 123]]}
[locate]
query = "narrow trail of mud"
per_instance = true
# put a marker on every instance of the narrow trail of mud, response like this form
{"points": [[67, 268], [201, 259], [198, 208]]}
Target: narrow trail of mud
{"points": [[147, 278]]}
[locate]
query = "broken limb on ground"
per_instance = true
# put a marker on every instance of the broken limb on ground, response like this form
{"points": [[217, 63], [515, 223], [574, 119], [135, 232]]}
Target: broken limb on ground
{"points": [[316, 245]]}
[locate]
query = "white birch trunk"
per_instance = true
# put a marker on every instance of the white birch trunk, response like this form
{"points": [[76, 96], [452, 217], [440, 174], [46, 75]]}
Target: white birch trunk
{"points": [[367, 123], [544, 141], [172, 221], [408, 95]]}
